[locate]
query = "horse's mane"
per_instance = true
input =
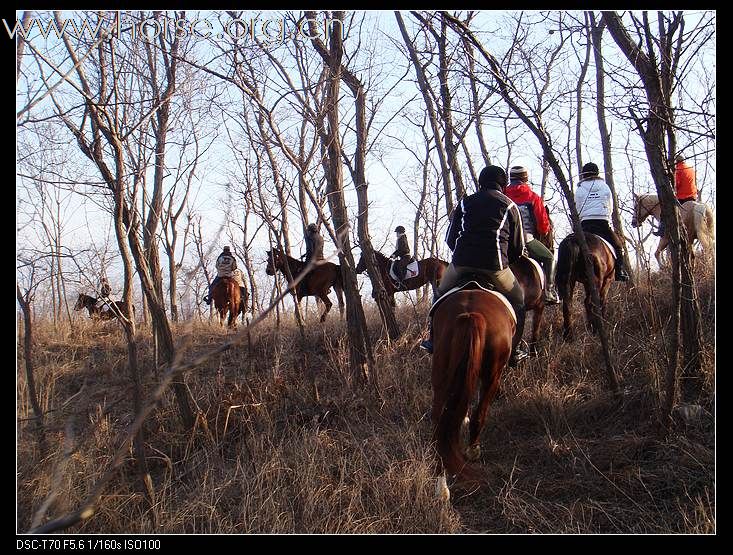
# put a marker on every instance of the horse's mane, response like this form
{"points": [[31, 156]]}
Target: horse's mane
{"points": [[381, 257]]}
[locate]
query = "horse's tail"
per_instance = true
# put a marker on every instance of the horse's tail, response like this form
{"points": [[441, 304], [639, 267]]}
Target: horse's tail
{"points": [[705, 227], [568, 253], [464, 367]]}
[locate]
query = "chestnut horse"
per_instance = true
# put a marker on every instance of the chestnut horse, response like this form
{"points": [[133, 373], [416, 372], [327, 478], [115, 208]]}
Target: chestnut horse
{"points": [[430, 270], [570, 269], [697, 217], [473, 331], [227, 298], [547, 239], [528, 274], [95, 312], [317, 283]]}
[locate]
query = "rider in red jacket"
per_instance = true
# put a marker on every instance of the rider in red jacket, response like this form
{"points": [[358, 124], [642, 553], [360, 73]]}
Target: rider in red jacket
{"points": [[534, 221]]}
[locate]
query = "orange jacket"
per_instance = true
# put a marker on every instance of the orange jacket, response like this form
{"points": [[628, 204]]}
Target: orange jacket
{"points": [[684, 178]]}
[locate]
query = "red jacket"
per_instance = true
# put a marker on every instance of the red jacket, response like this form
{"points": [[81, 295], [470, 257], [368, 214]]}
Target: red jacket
{"points": [[685, 182], [522, 194]]}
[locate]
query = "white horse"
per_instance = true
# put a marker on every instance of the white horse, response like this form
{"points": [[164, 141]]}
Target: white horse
{"points": [[697, 217]]}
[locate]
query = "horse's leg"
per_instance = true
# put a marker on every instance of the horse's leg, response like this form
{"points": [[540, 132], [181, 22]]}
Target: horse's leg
{"points": [[567, 305], [588, 302], [327, 303], [489, 388], [536, 321], [232, 321], [660, 247]]}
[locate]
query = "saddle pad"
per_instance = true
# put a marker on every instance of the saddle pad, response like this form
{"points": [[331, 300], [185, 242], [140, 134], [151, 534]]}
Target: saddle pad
{"points": [[609, 245], [474, 285], [538, 269], [412, 270]]}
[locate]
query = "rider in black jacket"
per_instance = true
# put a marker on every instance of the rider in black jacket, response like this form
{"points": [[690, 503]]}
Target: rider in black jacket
{"points": [[485, 235]]}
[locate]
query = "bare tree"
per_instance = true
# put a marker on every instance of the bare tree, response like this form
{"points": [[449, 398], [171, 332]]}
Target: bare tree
{"points": [[657, 66], [358, 176]]}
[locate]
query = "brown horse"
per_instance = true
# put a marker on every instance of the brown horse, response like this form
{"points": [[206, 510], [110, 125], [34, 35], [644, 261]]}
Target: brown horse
{"points": [[430, 270], [697, 217], [547, 239], [317, 283], [97, 313], [473, 332], [570, 269], [227, 298], [528, 274]]}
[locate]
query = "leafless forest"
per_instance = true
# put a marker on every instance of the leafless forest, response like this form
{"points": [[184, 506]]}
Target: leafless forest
{"points": [[146, 141]]}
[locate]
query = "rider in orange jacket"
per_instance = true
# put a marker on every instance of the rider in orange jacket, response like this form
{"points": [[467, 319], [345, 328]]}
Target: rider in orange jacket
{"points": [[685, 184]]}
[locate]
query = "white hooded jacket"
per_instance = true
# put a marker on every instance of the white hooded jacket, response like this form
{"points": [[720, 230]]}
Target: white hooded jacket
{"points": [[593, 200]]}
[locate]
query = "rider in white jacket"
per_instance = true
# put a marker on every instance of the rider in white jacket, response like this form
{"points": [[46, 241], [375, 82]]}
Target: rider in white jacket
{"points": [[594, 202]]}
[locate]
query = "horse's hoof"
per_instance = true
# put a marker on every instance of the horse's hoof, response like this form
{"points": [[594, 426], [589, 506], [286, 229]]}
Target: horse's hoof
{"points": [[441, 488]]}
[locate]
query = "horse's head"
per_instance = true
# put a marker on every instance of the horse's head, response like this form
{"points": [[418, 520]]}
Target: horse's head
{"points": [[80, 302], [275, 261], [361, 266], [270, 269], [643, 207]]}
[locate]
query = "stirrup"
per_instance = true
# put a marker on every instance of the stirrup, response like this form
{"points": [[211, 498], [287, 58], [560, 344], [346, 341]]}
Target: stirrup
{"points": [[551, 298], [517, 356]]}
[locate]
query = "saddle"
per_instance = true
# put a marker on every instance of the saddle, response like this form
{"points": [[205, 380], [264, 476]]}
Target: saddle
{"points": [[412, 271], [471, 281]]}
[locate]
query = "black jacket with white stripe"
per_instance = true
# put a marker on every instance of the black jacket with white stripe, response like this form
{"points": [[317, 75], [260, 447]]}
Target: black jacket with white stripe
{"points": [[486, 231]]}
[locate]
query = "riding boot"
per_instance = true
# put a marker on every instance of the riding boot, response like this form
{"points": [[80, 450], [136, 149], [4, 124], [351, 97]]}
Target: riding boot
{"points": [[621, 274], [518, 354], [427, 344], [550, 293]]}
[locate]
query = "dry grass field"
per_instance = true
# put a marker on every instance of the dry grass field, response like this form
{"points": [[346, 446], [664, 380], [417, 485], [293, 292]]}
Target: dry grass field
{"points": [[284, 443]]}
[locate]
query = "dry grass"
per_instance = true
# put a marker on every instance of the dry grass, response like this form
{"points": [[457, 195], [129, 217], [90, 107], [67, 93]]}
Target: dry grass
{"points": [[284, 443]]}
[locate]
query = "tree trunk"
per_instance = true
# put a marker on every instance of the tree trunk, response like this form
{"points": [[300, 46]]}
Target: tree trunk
{"points": [[597, 38], [24, 303], [657, 79], [360, 349]]}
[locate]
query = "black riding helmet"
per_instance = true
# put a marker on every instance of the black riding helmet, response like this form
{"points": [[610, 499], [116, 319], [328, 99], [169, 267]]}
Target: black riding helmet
{"points": [[492, 177], [399, 229]]}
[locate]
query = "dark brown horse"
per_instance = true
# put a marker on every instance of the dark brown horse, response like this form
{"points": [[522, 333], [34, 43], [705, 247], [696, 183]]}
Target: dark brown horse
{"points": [[430, 270], [473, 332], [571, 269], [317, 283], [97, 313], [227, 298]]}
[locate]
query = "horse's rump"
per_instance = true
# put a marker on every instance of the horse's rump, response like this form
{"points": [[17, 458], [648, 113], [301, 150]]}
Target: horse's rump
{"points": [[473, 337]]}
